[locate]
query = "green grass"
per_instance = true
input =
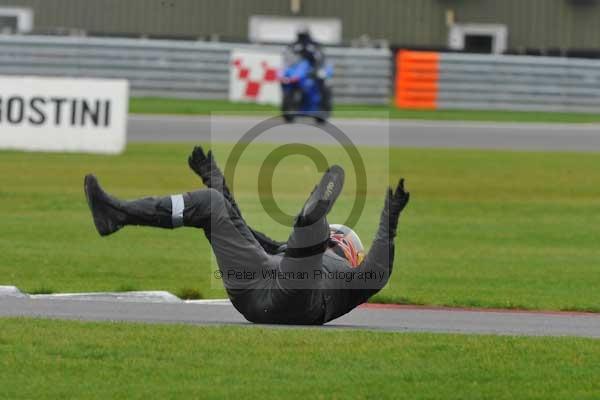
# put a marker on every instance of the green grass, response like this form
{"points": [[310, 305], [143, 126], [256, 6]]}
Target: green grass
{"points": [[484, 228], [189, 294], [45, 359], [205, 107]]}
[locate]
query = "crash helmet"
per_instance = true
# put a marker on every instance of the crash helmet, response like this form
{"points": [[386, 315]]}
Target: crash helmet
{"points": [[344, 242], [303, 35]]}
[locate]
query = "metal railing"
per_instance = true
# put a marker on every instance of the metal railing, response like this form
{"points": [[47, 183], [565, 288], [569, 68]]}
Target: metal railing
{"points": [[200, 70], [469, 81], [167, 68]]}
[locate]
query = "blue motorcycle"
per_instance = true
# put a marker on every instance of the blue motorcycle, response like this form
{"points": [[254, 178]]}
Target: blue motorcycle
{"points": [[306, 90]]}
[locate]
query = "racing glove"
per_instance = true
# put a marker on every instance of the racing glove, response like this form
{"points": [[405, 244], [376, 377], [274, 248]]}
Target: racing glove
{"points": [[395, 202]]}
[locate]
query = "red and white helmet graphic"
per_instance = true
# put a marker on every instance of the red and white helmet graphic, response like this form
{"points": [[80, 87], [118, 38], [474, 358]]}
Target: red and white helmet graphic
{"points": [[346, 243]]}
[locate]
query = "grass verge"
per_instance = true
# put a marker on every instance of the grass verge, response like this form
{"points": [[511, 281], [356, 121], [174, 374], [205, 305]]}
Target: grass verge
{"points": [[152, 105], [45, 359], [484, 228]]}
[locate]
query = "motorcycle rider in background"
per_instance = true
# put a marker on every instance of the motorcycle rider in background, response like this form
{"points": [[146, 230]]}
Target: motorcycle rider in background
{"points": [[308, 49], [317, 93]]}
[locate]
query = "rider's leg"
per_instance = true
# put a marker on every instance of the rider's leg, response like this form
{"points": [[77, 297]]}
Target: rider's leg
{"points": [[236, 250], [310, 235]]}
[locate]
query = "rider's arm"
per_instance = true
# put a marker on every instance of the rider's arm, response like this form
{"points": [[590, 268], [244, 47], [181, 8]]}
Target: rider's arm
{"points": [[206, 168], [343, 295], [379, 261]]}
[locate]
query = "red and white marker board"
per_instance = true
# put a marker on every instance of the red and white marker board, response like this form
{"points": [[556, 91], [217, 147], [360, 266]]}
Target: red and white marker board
{"points": [[254, 76]]}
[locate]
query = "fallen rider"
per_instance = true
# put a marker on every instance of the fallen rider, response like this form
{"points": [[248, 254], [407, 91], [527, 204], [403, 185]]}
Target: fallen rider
{"points": [[319, 274]]}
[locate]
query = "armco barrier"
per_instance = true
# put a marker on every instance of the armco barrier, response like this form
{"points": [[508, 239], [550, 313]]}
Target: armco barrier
{"points": [[465, 81], [168, 68]]}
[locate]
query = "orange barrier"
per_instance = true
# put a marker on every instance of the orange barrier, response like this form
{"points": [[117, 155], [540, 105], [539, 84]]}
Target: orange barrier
{"points": [[417, 76]]}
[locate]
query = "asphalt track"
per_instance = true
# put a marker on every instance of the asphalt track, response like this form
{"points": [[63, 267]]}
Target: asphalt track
{"points": [[162, 307], [371, 132]]}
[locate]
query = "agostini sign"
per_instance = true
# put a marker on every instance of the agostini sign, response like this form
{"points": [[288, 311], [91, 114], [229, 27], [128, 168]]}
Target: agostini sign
{"points": [[58, 114]]}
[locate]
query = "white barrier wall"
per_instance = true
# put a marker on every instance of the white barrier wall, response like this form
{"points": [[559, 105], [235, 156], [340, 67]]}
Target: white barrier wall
{"points": [[57, 114], [522, 83], [183, 69]]}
